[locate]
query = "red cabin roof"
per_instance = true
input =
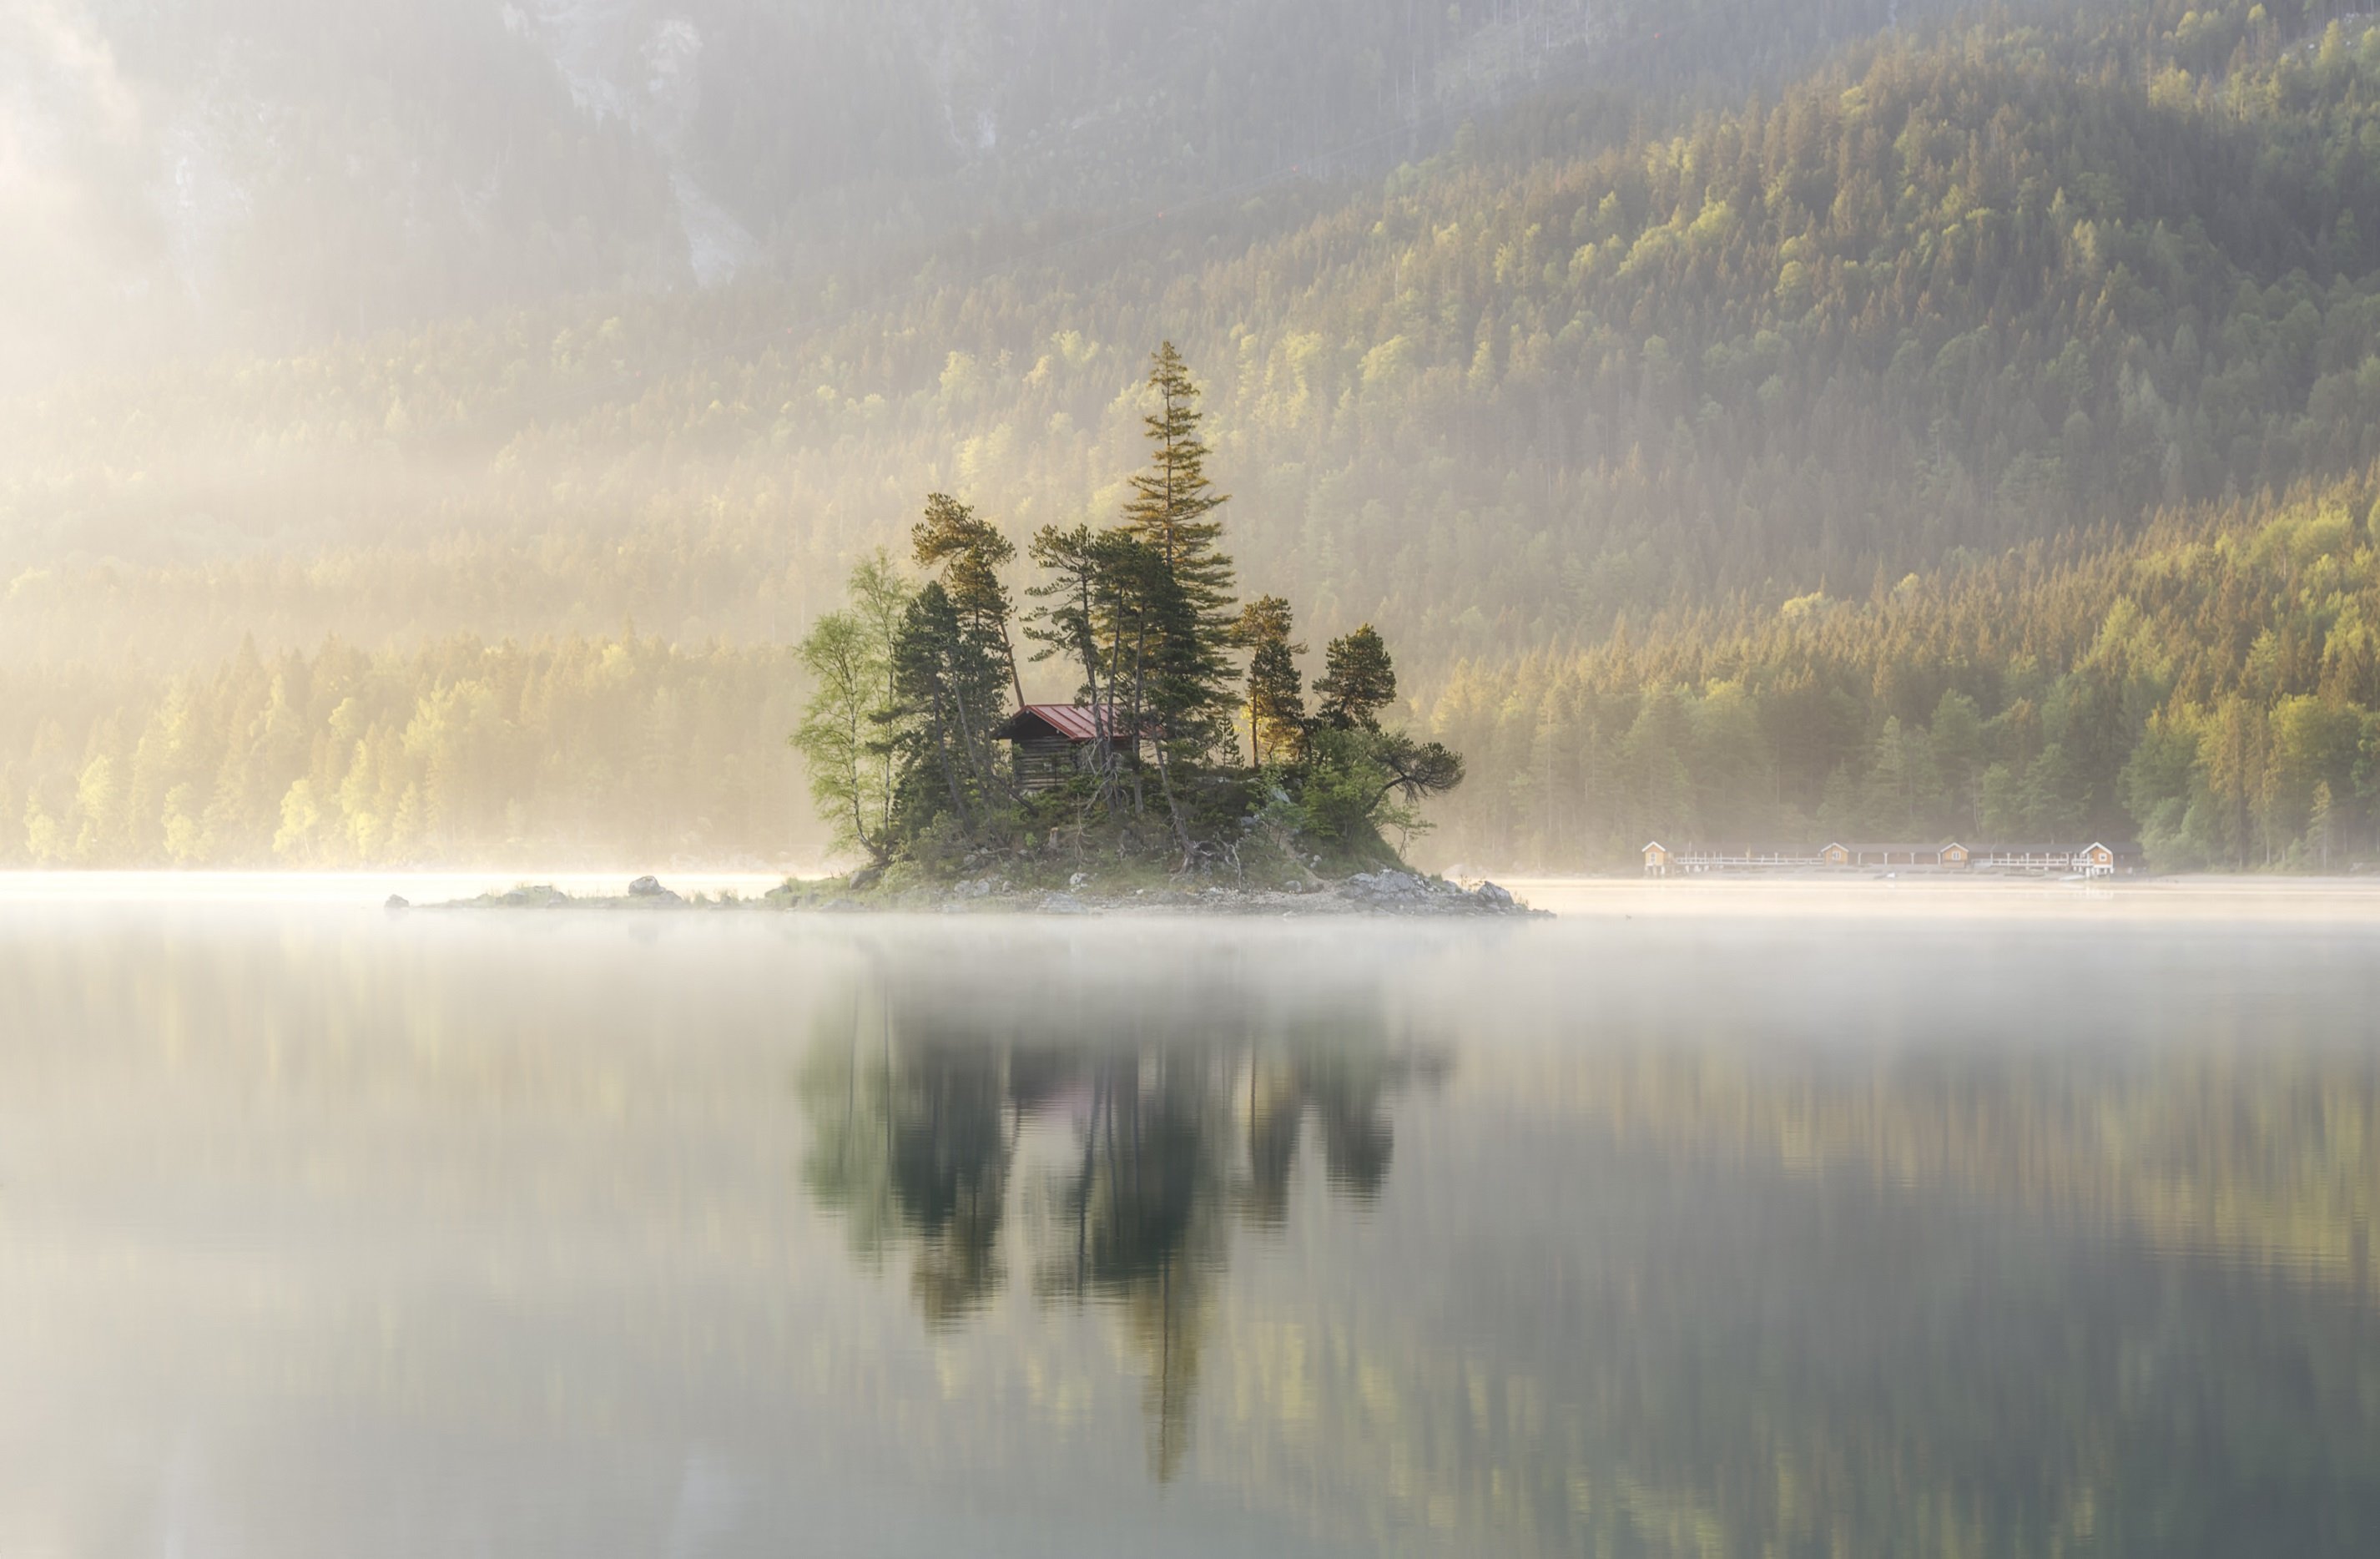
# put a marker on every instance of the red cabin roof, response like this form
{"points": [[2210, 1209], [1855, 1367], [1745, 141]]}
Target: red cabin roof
{"points": [[1074, 722]]}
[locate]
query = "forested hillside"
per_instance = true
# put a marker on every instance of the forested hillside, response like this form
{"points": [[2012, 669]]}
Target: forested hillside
{"points": [[1568, 407], [2211, 689], [556, 753], [1948, 294]]}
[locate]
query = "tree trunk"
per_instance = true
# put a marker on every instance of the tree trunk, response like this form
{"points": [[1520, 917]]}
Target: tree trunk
{"points": [[1173, 808], [949, 769]]}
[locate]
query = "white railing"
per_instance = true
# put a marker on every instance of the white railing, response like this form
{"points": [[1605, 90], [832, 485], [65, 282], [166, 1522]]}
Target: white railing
{"points": [[2062, 861]]}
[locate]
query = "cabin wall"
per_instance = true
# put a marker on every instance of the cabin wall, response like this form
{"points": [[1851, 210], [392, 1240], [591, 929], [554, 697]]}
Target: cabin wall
{"points": [[1045, 763]]}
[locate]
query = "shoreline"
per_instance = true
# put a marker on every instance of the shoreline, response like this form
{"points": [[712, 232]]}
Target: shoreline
{"points": [[2344, 899]]}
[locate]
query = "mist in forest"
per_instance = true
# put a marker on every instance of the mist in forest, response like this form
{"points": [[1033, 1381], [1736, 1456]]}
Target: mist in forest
{"points": [[458, 409]]}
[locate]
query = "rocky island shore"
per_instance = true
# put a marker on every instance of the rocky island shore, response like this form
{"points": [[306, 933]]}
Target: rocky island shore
{"points": [[1386, 892]]}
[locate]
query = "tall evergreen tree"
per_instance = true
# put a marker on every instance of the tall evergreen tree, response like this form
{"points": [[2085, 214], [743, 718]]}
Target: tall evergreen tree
{"points": [[1358, 681], [971, 551], [1188, 615], [1276, 693], [949, 683]]}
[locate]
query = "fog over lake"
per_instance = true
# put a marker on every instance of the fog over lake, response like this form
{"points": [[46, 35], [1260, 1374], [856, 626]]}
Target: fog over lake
{"points": [[324, 1230]]}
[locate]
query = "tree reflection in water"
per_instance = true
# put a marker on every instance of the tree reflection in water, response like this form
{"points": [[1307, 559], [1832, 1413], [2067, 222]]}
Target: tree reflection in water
{"points": [[1171, 1120]]}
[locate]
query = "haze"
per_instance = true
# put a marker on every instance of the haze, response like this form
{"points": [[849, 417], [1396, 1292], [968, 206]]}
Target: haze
{"points": [[1305, 777], [1745, 421]]}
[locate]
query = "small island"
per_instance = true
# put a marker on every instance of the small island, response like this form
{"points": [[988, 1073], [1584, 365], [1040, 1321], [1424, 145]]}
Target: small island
{"points": [[1188, 770]]}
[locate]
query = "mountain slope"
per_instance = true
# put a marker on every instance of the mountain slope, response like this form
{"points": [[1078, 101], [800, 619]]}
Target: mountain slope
{"points": [[1958, 293], [265, 175]]}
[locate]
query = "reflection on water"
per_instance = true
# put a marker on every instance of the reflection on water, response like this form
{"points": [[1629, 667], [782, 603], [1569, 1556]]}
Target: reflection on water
{"points": [[1155, 1121], [1739, 1234]]}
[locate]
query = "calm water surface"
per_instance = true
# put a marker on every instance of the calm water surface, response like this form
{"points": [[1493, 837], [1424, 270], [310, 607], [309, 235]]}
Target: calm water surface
{"points": [[328, 1232]]}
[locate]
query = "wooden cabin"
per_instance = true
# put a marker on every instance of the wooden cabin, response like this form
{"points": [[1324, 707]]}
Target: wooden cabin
{"points": [[1656, 860], [1050, 743], [2108, 861], [1954, 856]]}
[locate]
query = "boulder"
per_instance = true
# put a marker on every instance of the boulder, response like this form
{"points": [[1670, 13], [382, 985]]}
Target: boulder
{"points": [[1490, 896], [646, 887], [1064, 904], [397, 901], [865, 878], [1385, 887]]}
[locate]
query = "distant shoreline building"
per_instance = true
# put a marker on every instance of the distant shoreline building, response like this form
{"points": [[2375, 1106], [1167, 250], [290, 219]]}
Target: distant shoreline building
{"points": [[2095, 859]]}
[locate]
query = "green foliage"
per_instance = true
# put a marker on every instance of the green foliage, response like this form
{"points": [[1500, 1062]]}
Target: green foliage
{"points": [[1358, 681], [950, 689], [2211, 689], [1276, 698], [971, 553], [1339, 795], [1142, 608], [602, 751], [835, 733], [1356, 786], [844, 736], [1187, 605]]}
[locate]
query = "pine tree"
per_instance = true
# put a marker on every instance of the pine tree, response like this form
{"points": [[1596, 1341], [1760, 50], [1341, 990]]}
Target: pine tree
{"points": [[1358, 681], [1188, 617], [971, 553], [1276, 695], [948, 681]]}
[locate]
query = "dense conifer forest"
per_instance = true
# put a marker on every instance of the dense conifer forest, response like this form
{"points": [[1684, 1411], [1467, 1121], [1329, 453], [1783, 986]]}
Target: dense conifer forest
{"points": [[2210, 687], [1959, 429]]}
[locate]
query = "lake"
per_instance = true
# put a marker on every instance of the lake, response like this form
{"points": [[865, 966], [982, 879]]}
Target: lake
{"points": [[1718, 1226]]}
